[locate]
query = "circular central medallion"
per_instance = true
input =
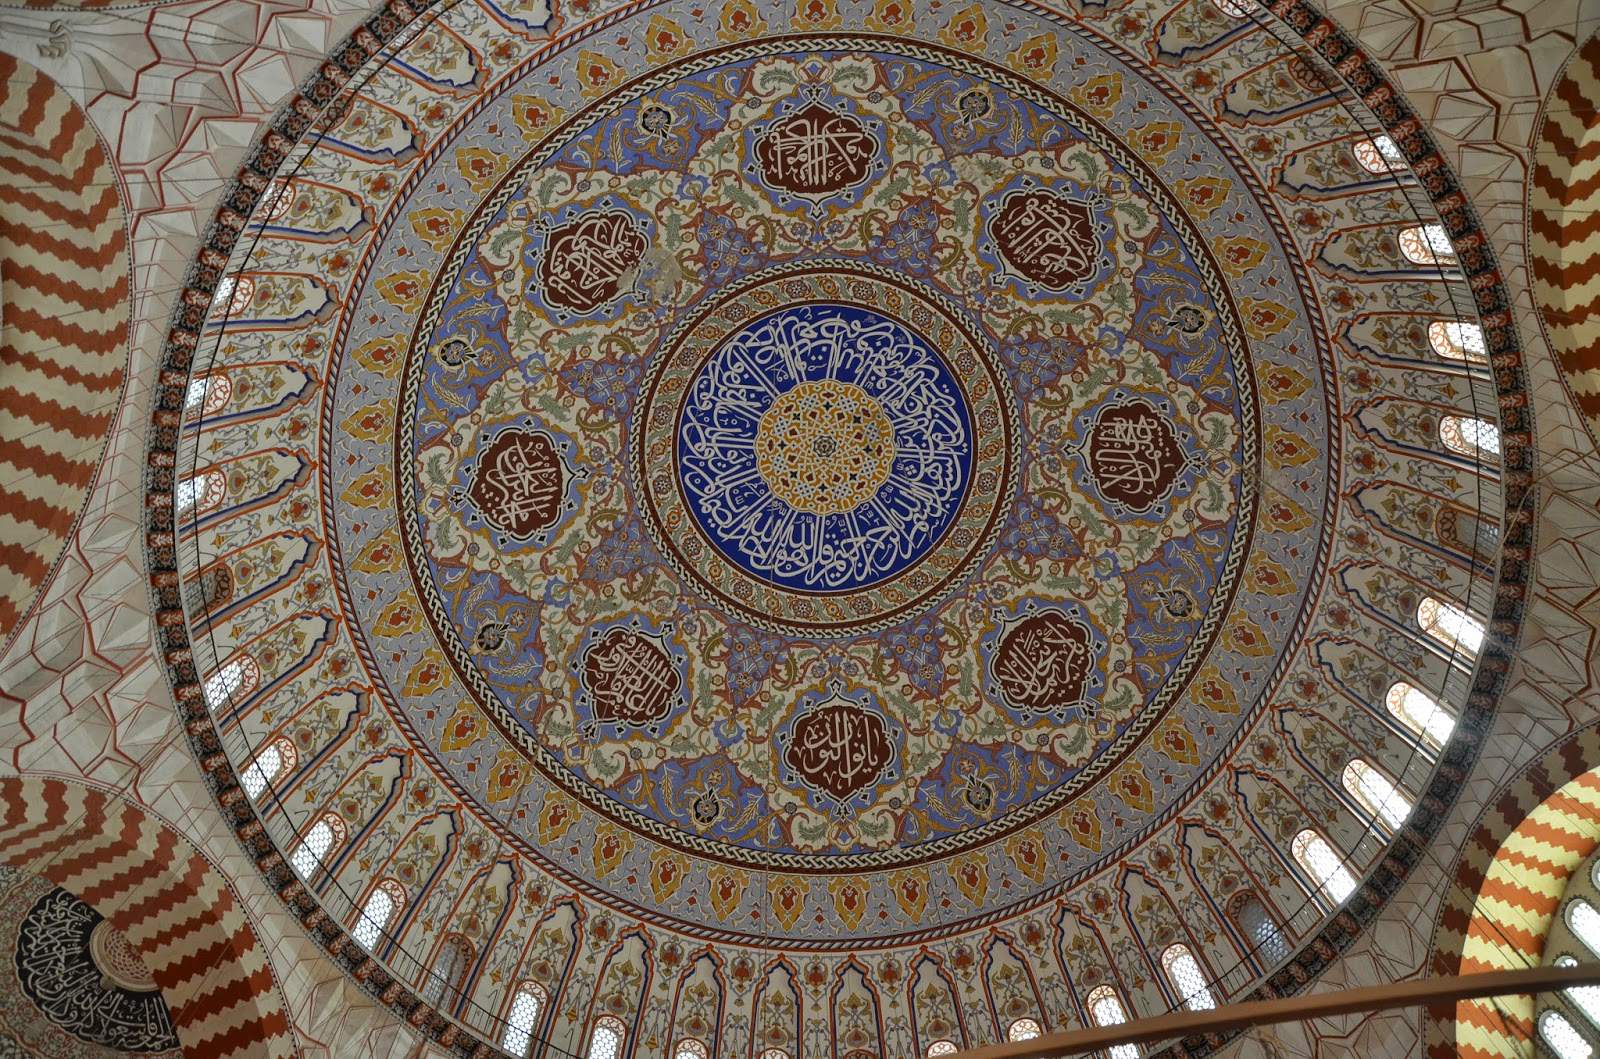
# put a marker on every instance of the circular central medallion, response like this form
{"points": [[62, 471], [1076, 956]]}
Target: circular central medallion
{"points": [[843, 447], [825, 447]]}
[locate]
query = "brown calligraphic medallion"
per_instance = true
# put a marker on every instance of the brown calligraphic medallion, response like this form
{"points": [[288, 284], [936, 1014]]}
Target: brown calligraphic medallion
{"points": [[518, 483], [1048, 239], [1043, 662], [586, 259], [839, 749], [630, 679], [1133, 454], [815, 151]]}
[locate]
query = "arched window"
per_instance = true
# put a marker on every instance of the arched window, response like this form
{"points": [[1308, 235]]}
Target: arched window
{"points": [[277, 758], [236, 293], [195, 496], [1469, 437], [1237, 8], [1184, 972], [774, 1053], [1449, 624], [326, 835], [448, 977], [238, 677], [1586, 998], [1325, 867], [938, 1048], [1380, 155], [1105, 1008], [1420, 712], [1376, 793], [1585, 923], [1427, 244], [526, 1004], [605, 1042], [382, 903], [1454, 340], [1257, 924], [689, 1048], [1023, 1030], [1563, 1037], [208, 393]]}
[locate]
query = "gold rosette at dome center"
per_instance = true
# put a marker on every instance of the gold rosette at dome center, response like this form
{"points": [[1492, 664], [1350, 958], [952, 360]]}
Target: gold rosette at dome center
{"points": [[825, 447]]}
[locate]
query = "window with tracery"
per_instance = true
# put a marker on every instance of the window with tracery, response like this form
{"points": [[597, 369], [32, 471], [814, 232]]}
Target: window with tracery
{"points": [[1427, 244], [1420, 712], [606, 1040], [1106, 1009], [1449, 624], [324, 836], [526, 1004], [1586, 998], [382, 903], [774, 1053], [689, 1048], [1585, 923], [447, 977], [1325, 867], [1455, 340], [237, 678], [1023, 1030], [208, 393], [1467, 436], [278, 758], [1257, 924], [1237, 8], [195, 496], [1380, 155], [938, 1048], [1376, 793], [236, 293], [1562, 1037], [1184, 972]]}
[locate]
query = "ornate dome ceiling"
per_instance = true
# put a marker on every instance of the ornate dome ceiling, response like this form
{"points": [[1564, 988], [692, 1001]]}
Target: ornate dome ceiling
{"points": [[809, 505]]}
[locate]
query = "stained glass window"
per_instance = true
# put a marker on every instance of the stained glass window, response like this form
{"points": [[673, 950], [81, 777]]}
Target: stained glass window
{"points": [[523, 1017], [1420, 712], [1427, 244], [1325, 867], [1377, 795], [1454, 340], [1183, 970], [1449, 624], [1380, 155]]}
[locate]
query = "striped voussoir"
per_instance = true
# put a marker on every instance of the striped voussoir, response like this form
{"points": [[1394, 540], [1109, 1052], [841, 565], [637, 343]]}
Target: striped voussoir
{"points": [[172, 905], [64, 302], [1506, 891], [1564, 227]]}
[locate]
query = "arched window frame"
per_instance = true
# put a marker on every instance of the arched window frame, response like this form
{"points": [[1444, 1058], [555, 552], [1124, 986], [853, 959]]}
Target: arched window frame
{"points": [[233, 682], [1469, 436], [383, 903], [322, 838], [1375, 792], [199, 494], [275, 760], [691, 1048], [1458, 340], [1427, 244], [1420, 713], [1380, 156], [522, 1017], [606, 1038], [1449, 625], [446, 978], [236, 292], [1237, 8], [1322, 863], [1187, 977], [941, 1047], [1024, 1029], [1562, 1037], [1261, 928], [1105, 1009], [208, 394], [774, 1053]]}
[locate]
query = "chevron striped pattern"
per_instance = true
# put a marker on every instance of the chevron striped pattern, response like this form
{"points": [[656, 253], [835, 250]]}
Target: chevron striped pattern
{"points": [[174, 907], [1506, 891], [64, 302], [1564, 227]]}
